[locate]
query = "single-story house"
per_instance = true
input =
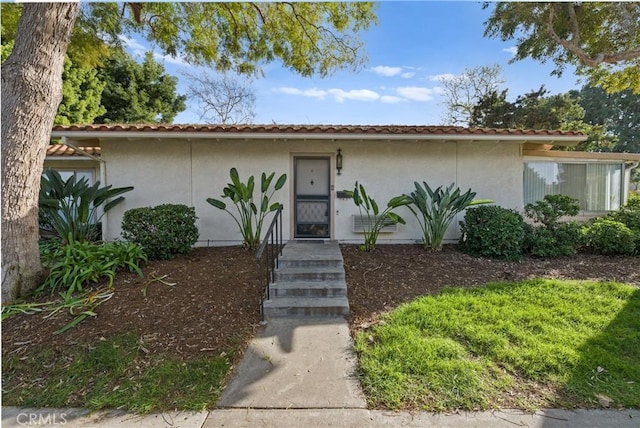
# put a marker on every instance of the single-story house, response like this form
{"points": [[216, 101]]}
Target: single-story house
{"points": [[186, 164]]}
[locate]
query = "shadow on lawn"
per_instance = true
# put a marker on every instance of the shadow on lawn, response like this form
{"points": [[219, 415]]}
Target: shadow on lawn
{"points": [[608, 373]]}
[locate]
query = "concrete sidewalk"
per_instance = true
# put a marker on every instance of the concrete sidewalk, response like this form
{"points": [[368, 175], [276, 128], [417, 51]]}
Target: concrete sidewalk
{"points": [[356, 418]]}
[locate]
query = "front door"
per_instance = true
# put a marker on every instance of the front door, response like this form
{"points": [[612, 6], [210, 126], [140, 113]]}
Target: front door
{"points": [[312, 184]]}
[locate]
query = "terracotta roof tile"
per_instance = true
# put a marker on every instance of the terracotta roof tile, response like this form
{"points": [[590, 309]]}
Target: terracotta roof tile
{"points": [[62, 150], [313, 129]]}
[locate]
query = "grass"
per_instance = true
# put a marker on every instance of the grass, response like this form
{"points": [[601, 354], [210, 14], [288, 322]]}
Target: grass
{"points": [[115, 373], [529, 344]]}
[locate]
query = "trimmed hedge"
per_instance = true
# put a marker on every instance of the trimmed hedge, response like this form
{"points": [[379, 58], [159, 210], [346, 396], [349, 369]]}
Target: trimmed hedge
{"points": [[492, 231], [610, 237], [162, 231]]}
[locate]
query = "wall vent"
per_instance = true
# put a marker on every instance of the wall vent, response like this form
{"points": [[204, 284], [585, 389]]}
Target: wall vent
{"points": [[360, 221]]}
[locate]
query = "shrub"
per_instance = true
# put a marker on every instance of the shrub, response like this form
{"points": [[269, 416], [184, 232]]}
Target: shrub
{"points": [[610, 237], [492, 231], [435, 210], [561, 240], [78, 264], [251, 215], [162, 231], [552, 238]]}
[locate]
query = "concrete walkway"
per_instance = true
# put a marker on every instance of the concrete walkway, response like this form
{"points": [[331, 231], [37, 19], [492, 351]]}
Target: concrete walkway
{"points": [[299, 363]]}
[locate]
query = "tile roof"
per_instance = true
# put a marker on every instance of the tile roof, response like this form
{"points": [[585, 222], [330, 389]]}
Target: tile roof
{"points": [[314, 129], [62, 150]]}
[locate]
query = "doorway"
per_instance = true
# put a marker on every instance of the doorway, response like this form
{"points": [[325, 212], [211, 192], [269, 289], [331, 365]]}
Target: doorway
{"points": [[312, 197]]}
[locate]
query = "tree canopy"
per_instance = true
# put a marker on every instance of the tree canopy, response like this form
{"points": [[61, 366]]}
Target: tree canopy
{"points": [[538, 110], [138, 93], [602, 39]]}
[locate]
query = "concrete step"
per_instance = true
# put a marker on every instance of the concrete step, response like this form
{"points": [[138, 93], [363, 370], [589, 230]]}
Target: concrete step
{"points": [[309, 288], [306, 307], [314, 262], [309, 274]]}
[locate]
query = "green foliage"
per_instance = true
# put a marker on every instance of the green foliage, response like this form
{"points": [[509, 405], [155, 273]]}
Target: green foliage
{"points": [[436, 209], [618, 112], [307, 38], [162, 231], [376, 219], [552, 238], [549, 210], [138, 93], [561, 240], [81, 94], [492, 231], [251, 212], [71, 206], [76, 265], [601, 39], [610, 237]]}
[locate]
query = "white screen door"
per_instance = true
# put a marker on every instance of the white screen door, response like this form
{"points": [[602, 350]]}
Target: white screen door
{"points": [[312, 197]]}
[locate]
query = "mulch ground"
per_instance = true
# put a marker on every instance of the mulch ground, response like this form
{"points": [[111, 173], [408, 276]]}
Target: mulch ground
{"points": [[213, 305]]}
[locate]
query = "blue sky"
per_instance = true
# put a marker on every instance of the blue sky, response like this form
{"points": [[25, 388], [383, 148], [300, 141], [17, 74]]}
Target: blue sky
{"points": [[414, 43]]}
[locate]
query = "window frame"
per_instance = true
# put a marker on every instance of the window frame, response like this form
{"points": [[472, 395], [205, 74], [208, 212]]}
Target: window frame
{"points": [[557, 161]]}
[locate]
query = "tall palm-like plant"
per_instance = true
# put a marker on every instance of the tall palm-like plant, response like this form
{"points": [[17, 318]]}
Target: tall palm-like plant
{"points": [[71, 207], [376, 219], [436, 209], [251, 214]]}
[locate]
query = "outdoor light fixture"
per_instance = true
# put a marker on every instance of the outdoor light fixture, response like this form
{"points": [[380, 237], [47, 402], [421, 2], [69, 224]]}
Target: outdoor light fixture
{"points": [[339, 161]]}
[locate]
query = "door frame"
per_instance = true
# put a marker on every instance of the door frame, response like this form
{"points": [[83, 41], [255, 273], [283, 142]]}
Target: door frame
{"points": [[330, 156]]}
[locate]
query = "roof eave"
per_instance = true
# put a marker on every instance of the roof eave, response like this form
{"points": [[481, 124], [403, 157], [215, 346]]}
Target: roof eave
{"points": [[565, 140]]}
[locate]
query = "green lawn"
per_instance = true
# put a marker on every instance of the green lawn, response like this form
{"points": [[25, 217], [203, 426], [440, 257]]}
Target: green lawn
{"points": [[113, 375], [530, 344]]}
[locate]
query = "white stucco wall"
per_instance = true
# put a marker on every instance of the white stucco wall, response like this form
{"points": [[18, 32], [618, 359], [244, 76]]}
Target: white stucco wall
{"points": [[188, 172]]}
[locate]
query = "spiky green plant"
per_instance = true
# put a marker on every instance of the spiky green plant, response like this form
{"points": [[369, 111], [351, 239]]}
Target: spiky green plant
{"points": [[251, 213], [376, 219], [436, 209], [72, 207]]}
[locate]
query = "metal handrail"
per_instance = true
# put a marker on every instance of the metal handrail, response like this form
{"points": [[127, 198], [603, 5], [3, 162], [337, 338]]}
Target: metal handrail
{"points": [[270, 249]]}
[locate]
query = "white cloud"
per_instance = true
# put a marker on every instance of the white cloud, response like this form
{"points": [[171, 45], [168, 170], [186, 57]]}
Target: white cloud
{"points": [[415, 93], [134, 45], [512, 50], [386, 71], [140, 50], [442, 77], [391, 99], [355, 94], [439, 90], [408, 74], [311, 93]]}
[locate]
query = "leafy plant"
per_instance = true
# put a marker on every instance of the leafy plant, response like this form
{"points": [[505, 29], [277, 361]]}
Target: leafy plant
{"points": [[78, 264], [492, 231], [435, 210], [71, 207], [376, 220], [162, 231], [251, 212], [552, 238], [610, 237]]}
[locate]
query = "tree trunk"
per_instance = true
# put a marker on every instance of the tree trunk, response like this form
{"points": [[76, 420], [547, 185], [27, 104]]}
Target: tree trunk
{"points": [[31, 93]]}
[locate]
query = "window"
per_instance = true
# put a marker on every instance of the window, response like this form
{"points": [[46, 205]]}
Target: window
{"points": [[598, 186]]}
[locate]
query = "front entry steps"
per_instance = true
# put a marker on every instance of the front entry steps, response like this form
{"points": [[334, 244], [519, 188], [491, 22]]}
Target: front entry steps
{"points": [[310, 281]]}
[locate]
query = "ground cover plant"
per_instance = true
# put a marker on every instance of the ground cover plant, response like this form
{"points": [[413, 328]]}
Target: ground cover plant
{"points": [[576, 343]]}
